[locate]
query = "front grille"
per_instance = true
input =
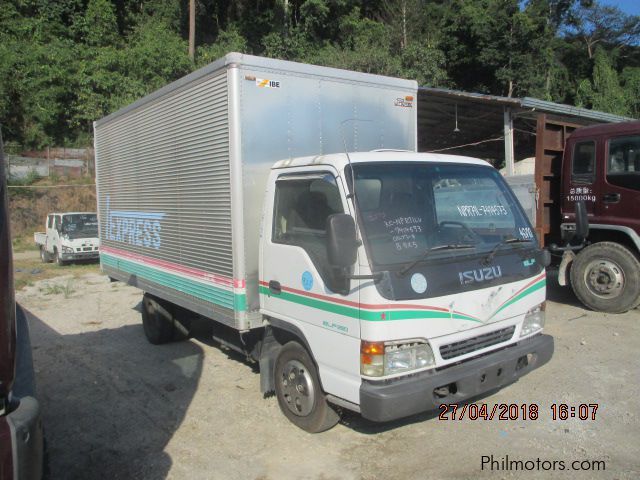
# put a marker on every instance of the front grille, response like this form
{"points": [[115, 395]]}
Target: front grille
{"points": [[469, 345], [87, 249]]}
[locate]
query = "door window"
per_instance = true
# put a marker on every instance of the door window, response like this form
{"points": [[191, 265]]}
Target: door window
{"points": [[623, 162], [302, 205], [584, 163]]}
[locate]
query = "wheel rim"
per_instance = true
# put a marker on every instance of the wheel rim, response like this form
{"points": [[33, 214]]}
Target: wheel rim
{"points": [[604, 278], [297, 388]]}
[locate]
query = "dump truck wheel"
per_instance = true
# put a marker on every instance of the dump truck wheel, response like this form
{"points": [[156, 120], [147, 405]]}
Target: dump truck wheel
{"points": [[299, 392], [44, 255], [605, 277], [157, 320]]}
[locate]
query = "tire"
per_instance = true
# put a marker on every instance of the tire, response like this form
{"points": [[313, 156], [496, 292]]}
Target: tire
{"points": [[605, 277], [58, 259], [299, 392], [44, 255], [157, 320]]}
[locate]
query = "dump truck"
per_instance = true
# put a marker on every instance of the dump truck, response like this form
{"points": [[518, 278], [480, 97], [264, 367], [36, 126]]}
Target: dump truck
{"points": [[285, 203], [597, 169]]}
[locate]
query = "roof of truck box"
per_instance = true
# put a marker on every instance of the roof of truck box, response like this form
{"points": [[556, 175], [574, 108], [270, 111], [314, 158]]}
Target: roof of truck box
{"points": [[263, 64], [339, 160]]}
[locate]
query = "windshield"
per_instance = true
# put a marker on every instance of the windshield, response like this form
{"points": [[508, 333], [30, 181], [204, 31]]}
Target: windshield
{"points": [[408, 208], [80, 225]]}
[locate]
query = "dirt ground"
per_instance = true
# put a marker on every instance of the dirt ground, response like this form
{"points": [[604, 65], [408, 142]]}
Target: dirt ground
{"points": [[115, 406]]}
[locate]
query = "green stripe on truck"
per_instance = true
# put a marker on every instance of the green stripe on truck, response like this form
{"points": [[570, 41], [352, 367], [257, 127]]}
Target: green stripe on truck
{"points": [[208, 293], [389, 315], [367, 315]]}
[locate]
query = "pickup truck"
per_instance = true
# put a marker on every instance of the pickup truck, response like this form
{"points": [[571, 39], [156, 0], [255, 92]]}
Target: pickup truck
{"points": [[21, 438], [69, 237]]}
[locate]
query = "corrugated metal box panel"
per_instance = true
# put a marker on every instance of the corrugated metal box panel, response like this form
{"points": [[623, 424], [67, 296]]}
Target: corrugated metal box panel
{"points": [[164, 193]]}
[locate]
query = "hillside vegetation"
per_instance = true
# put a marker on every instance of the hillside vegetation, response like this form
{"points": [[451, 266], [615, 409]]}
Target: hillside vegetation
{"points": [[30, 201], [66, 63]]}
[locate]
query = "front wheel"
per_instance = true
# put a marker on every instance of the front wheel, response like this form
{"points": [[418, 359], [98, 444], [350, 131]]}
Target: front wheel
{"points": [[44, 255], [299, 392], [58, 259], [605, 277]]}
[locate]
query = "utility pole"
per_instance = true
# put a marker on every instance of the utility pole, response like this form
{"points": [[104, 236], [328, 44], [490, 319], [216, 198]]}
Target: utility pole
{"points": [[192, 29]]}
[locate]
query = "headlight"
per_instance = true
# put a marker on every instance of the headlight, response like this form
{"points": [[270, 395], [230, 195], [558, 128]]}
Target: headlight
{"points": [[378, 359], [67, 249], [533, 320]]}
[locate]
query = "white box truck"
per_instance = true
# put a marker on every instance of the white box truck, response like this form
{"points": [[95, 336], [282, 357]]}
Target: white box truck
{"points": [[386, 282]]}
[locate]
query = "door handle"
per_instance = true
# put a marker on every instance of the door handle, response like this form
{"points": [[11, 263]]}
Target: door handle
{"points": [[611, 198], [274, 287]]}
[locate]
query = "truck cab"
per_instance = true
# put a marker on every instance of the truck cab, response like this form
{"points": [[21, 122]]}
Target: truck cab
{"points": [[601, 168], [412, 280], [21, 439]]}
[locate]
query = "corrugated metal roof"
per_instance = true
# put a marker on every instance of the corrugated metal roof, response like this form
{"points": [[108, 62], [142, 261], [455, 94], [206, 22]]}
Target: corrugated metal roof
{"points": [[562, 109], [480, 97], [542, 106]]}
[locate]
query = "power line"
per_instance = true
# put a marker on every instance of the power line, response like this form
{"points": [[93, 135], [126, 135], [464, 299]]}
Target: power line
{"points": [[467, 144]]}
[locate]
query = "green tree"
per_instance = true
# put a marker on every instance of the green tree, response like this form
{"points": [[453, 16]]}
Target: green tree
{"points": [[596, 24], [604, 91], [99, 26]]}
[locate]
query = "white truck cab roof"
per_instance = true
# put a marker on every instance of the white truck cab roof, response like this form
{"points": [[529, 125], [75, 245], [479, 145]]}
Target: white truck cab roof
{"points": [[339, 160], [73, 213]]}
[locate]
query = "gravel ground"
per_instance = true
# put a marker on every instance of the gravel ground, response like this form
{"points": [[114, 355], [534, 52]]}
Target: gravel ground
{"points": [[115, 406]]}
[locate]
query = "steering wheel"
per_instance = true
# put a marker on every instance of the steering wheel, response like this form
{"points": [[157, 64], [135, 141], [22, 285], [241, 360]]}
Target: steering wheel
{"points": [[459, 224]]}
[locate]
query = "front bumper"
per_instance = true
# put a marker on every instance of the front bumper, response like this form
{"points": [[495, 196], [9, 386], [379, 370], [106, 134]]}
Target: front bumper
{"points": [[70, 257], [397, 398], [26, 439]]}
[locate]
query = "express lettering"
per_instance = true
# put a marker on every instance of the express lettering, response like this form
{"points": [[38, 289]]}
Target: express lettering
{"points": [[142, 229]]}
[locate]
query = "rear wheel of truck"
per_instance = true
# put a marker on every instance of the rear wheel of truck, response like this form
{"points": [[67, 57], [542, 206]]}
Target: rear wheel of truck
{"points": [[605, 277], [44, 255], [157, 320], [299, 392]]}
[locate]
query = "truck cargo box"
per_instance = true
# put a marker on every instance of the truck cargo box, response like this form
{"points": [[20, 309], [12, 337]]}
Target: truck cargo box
{"points": [[181, 173]]}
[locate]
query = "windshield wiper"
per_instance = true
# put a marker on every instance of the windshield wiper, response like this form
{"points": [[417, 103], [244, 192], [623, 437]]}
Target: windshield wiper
{"points": [[427, 252], [495, 249]]}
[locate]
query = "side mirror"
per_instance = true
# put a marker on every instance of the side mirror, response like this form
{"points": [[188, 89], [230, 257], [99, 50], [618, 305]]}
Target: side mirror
{"points": [[582, 222], [342, 245]]}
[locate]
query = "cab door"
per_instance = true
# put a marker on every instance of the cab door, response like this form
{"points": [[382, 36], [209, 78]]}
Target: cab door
{"points": [[298, 286], [53, 232], [583, 177], [619, 200]]}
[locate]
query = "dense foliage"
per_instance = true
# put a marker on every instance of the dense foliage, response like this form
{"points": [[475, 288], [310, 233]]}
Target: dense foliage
{"points": [[66, 63]]}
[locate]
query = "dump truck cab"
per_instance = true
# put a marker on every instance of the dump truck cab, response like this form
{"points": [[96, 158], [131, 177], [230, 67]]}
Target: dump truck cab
{"points": [[601, 169], [412, 279], [21, 437]]}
